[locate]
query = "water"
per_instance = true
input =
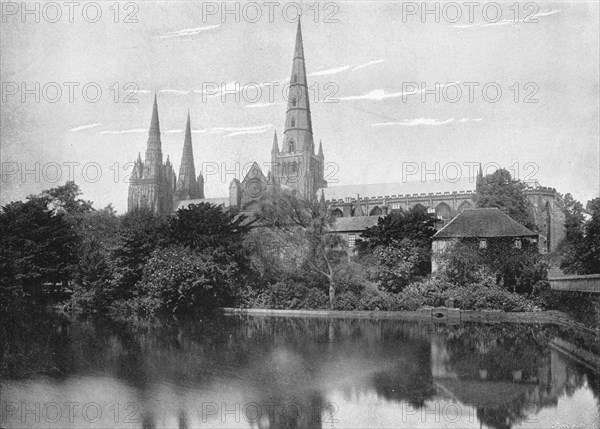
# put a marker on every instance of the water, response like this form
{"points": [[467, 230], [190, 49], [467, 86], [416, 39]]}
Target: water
{"points": [[302, 372]]}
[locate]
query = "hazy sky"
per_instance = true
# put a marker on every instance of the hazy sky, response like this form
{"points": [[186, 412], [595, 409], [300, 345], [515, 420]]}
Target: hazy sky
{"points": [[359, 68]]}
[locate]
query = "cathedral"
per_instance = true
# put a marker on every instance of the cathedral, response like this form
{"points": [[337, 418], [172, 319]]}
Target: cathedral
{"points": [[295, 166], [299, 168]]}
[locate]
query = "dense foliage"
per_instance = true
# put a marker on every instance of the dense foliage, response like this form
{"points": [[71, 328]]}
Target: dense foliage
{"points": [[579, 252], [500, 190], [56, 248], [399, 247]]}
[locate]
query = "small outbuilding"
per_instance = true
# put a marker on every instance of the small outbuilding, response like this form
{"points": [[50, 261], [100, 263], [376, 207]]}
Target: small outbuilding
{"points": [[482, 225]]}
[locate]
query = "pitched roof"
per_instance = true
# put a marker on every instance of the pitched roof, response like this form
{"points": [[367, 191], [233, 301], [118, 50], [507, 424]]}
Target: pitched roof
{"points": [[354, 224], [484, 223]]}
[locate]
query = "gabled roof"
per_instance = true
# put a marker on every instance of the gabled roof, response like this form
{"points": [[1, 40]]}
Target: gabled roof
{"points": [[354, 224], [483, 223]]}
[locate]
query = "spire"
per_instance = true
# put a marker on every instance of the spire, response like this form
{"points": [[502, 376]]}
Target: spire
{"points": [[187, 184], [275, 144], [154, 124], [298, 126], [153, 159], [299, 48], [320, 155], [479, 179]]}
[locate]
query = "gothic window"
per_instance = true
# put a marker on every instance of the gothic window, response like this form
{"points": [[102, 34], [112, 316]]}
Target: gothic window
{"points": [[295, 78], [293, 122], [395, 206], [294, 102], [291, 146]]}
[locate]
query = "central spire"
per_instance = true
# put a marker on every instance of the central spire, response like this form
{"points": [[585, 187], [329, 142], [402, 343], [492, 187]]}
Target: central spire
{"points": [[298, 126], [153, 159]]}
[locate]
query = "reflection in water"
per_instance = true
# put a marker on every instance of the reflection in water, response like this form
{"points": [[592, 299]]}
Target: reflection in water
{"points": [[296, 373]]}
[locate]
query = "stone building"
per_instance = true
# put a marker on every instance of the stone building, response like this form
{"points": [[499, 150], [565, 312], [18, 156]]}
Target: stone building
{"points": [[480, 226]]}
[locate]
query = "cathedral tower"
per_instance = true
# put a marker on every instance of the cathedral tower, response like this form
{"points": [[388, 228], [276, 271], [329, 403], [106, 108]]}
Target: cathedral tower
{"points": [[152, 183], [296, 165]]}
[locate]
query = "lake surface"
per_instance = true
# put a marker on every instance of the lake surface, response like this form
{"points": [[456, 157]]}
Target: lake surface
{"points": [[263, 372]]}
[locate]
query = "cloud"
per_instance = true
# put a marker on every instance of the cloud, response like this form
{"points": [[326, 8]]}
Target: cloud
{"points": [[84, 127], [414, 122], [240, 133], [424, 121], [546, 12], [261, 105], [330, 71], [228, 131], [380, 94], [187, 32], [505, 22], [174, 91], [135, 130], [370, 63]]}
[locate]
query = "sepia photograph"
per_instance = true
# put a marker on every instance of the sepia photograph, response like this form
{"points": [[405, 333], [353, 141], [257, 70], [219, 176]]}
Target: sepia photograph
{"points": [[299, 214]]}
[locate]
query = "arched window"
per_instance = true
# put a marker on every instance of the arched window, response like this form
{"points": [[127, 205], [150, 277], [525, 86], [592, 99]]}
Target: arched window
{"points": [[293, 122], [294, 102], [295, 78], [291, 146], [376, 211], [337, 213]]}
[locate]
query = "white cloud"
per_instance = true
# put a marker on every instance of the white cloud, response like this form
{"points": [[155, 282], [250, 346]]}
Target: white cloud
{"points": [[84, 127], [505, 22], [414, 122], [174, 91], [261, 105], [187, 32], [330, 71], [240, 133], [135, 130], [380, 94], [229, 131], [370, 63], [424, 121]]}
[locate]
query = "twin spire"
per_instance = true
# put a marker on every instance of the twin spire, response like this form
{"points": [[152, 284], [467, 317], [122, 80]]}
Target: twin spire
{"points": [[188, 186]]}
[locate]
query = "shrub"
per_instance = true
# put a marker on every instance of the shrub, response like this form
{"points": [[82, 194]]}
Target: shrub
{"points": [[287, 295], [179, 280]]}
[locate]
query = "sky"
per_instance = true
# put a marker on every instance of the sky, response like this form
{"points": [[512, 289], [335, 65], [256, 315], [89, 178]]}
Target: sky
{"points": [[518, 90]]}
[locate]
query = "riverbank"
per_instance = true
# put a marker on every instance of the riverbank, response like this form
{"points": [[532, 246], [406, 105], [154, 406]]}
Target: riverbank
{"points": [[437, 314]]}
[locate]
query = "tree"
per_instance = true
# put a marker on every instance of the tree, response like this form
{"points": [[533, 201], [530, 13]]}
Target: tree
{"points": [[64, 199], [205, 225], [500, 190], [567, 250], [140, 233], [305, 228], [37, 247], [401, 246], [93, 275]]}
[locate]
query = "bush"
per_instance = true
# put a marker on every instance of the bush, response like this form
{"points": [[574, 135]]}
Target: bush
{"points": [[178, 280], [287, 295]]}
